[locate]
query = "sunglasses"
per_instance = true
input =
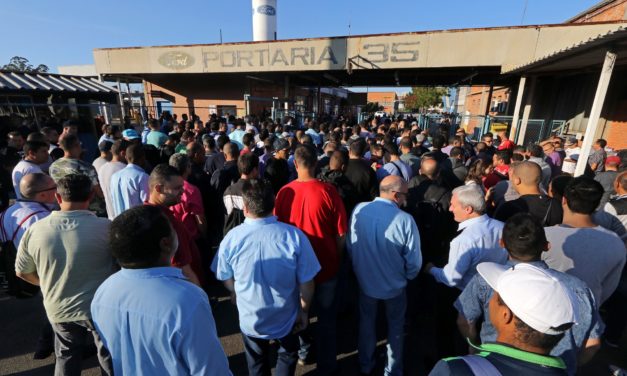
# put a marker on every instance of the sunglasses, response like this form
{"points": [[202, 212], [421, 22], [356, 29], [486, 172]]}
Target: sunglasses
{"points": [[46, 190]]}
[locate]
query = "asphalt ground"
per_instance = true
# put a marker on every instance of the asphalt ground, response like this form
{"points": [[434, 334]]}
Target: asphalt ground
{"points": [[22, 319]]}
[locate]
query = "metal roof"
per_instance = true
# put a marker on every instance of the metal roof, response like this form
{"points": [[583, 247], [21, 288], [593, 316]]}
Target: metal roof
{"points": [[22, 81], [616, 37]]}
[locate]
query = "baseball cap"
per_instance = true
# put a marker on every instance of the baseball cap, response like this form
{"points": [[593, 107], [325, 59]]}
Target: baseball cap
{"points": [[105, 146], [571, 141], [613, 159], [281, 144], [537, 298], [130, 134]]}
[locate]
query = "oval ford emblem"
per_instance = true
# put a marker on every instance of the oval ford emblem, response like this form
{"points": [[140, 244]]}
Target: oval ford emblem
{"points": [[176, 60], [268, 10]]}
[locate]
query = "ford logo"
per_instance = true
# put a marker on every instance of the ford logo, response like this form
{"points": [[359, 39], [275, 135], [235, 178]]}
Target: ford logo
{"points": [[268, 10], [176, 60]]}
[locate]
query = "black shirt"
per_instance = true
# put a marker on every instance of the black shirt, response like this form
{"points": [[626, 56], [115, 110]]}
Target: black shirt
{"points": [[363, 178], [214, 162], [277, 172], [545, 209]]}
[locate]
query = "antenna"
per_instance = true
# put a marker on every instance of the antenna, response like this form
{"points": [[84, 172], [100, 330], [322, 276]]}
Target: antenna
{"points": [[522, 19], [220, 36], [349, 27]]}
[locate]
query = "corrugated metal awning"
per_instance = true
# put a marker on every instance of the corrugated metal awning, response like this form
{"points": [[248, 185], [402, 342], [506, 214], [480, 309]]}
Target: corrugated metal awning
{"points": [[14, 81]]}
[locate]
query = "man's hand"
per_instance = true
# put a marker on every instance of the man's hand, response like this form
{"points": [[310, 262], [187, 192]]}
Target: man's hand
{"points": [[302, 320]]}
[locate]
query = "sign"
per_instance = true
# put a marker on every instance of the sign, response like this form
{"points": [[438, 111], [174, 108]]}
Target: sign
{"points": [[268, 10], [176, 60]]}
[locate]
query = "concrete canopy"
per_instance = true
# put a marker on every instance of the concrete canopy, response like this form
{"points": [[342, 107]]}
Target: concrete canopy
{"points": [[448, 57]]}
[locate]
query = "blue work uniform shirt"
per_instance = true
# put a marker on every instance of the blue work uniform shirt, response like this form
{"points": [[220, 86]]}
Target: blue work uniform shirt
{"points": [[268, 260], [384, 245], [129, 188], [474, 302], [156, 322]]}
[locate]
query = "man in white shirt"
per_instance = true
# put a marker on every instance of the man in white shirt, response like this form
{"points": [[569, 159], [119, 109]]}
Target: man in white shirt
{"points": [[118, 162], [35, 153]]}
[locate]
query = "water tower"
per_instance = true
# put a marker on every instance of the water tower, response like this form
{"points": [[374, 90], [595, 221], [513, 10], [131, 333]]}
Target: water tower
{"points": [[264, 20]]}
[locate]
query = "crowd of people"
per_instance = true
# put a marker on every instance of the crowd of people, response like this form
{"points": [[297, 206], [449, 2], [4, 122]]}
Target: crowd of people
{"points": [[520, 264]]}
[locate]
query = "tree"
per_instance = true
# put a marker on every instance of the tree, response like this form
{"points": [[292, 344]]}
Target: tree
{"points": [[372, 107], [20, 64], [421, 98]]}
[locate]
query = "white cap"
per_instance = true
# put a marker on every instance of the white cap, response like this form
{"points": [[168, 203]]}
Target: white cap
{"points": [[537, 298]]}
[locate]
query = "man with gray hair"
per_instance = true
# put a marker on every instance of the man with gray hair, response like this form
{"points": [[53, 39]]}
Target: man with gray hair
{"points": [[478, 239], [384, 245]]}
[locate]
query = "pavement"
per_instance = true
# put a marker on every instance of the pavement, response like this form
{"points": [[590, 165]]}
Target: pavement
{"points": [[22, 320]]}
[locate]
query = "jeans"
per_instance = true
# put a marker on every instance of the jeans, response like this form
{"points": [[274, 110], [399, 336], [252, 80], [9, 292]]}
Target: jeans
{"points": [[395, 312], [324, 305], [69, 341], [256, 351]]}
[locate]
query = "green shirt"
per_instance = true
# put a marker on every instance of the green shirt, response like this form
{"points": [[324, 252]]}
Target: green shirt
{"points": [[69, 250], [156, 138]]}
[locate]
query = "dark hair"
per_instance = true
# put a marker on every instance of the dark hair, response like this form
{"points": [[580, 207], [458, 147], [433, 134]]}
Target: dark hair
{"points": [[135, 153], [438, 141], [516, 157], [248, 139], [119, 146], [135, 236], [306, 156], [258, 197], [535, 150], [406, 143], [358, 147], [194, 147], [583, 195], [558, 186], [33, 146], [504, 155], [306, 140], [456, 151], [526, 334], [602, 143], [233, 150], [222, 140], [391, 148], [74, 188], [247, 163], [208, 141], [524, 237], [68, 142], [162, 174]]}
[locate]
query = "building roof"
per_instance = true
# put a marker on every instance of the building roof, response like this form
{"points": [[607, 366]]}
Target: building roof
{"points": [[48, 82], [592, 9], [579, 55]]}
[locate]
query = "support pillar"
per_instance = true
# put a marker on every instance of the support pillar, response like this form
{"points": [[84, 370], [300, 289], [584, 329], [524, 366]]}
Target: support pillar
{"points": [[121, 99], [595, 112], [526, 112], [519, 98]]}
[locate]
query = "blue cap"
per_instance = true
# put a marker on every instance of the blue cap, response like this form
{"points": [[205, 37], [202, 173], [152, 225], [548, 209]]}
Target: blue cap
{"points": [[130, 134]]}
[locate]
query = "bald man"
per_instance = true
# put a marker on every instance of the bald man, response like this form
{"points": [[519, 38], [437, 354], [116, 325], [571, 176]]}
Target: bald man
{"points": [[37, 191], [384, 245], [526, 178]]}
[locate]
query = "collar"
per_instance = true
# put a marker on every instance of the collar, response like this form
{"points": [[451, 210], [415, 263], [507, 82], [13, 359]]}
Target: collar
{"points": [[540, 264], [512, 352], [134, 167], [157, 272], [71, 213], [261, 221], [385, 201], [469, 222]]}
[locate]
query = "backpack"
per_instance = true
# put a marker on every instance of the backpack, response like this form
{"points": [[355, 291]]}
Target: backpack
{"points": [[16, 286], [234, 219], [434, 223]]}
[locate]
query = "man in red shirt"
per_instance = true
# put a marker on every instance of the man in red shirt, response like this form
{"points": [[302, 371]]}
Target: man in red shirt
{"points": [[317, 209], [166, 189], [506, 143]]}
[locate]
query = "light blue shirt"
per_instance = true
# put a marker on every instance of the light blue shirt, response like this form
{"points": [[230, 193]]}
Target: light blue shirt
{"points": [[315, 136], [156, 138], [268, 260], [237, 137], [129, 188], [478, 242], [396, 168], [155, 322], [384, 245]]}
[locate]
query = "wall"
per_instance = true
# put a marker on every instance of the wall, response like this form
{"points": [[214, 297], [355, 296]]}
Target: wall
{"points": [[612, 11], [384, 98]]}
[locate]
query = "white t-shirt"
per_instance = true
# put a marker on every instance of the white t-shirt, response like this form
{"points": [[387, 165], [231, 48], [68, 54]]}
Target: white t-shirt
{"points": [[23, 168], [104, 177]]}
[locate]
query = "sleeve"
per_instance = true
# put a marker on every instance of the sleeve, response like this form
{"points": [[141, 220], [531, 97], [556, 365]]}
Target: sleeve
{"points": [[194, 202], [459, 262], [441, 369], [609, 208], [183, 255], [24, 262], [337, 205], [413, 254], [610, 282], [93, 175], [199, 347], [220, 265], [469, 303], [144, 188], [382, 173], [308, 265]]}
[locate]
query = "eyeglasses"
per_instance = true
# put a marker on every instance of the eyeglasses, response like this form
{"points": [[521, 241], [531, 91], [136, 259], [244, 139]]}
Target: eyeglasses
{"points": [[46, 190], [401, 193]]}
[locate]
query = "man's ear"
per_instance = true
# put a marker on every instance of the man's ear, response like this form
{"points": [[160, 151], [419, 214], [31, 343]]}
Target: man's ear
{"points": [[501, 243], [57, 196], [547, 247]]}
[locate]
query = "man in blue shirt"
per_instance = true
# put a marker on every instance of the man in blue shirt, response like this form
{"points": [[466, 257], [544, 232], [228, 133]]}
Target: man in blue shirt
{"points": [[129, 186], [268, 267], [384, 245], [150, 317], [525, 240]]}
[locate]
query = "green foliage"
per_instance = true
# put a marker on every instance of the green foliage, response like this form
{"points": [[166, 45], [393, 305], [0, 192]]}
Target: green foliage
{"points": [[422, 97], [372, 107], [20, 64]]}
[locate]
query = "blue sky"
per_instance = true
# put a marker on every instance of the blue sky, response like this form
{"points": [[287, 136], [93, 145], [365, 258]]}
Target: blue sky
{"points": [[64, 32]]}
